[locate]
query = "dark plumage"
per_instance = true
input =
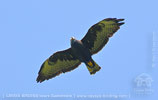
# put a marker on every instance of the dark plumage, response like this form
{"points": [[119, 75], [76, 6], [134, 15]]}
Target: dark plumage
{"points": [[80, 50]]}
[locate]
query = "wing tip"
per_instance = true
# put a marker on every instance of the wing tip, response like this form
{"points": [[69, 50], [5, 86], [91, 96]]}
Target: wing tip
{"points": [[42, 78], [108, 19], [39, 79], [119, 21]]}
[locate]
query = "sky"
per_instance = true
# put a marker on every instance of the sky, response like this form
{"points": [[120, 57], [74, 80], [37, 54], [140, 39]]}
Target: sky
{"points": [[32, 30]]}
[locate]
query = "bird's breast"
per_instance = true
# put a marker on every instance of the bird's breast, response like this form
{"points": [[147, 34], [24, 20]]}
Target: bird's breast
{"points": [[80, 51]]}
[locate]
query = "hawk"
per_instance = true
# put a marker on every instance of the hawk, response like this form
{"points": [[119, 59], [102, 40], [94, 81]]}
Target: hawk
{"points": [[81, 51]]}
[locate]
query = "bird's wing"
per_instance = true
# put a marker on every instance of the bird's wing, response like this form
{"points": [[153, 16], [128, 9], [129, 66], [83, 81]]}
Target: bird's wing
{"points": [[98, 35], [59, 62]]}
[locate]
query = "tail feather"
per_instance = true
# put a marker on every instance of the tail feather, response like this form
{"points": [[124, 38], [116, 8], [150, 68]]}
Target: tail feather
{"points": [[93, 69]]}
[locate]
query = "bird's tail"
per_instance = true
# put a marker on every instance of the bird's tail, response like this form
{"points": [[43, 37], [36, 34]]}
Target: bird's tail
{"points": [[93, 67]]}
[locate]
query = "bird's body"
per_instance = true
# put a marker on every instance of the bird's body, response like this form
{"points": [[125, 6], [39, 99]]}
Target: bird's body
{"points": [[80, 51]]}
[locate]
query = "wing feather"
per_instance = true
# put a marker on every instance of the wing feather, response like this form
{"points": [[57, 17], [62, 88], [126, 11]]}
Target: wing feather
{"points": [[98, 35], [59, 62]]}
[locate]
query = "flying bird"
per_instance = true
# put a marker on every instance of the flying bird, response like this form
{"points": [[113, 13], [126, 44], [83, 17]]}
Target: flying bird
{"points": [[81, 51]]}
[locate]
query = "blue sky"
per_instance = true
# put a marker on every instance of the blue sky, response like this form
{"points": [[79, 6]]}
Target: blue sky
{"points": [[32, 30]]}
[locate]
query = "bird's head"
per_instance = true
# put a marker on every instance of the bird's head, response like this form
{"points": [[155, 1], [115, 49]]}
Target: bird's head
{"points": [[72, 40]]}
